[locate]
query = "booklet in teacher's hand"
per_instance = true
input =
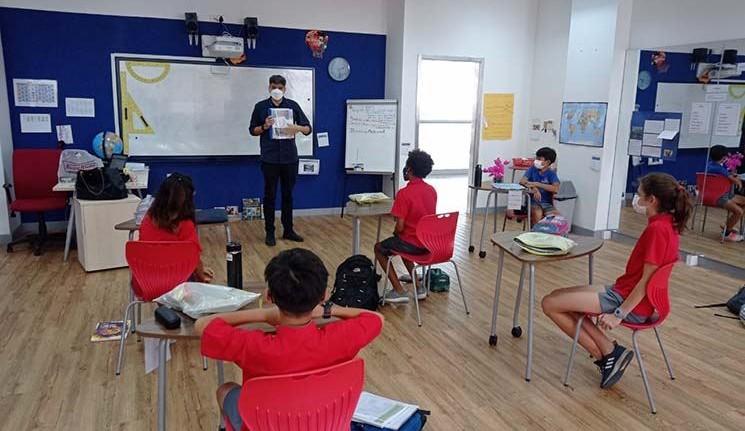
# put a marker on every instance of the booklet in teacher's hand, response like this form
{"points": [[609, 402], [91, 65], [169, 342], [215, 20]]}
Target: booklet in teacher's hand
{"points": [[282, 118]]}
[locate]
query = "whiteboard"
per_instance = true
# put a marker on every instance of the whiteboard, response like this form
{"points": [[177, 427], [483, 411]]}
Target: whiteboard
{"points": [[172, 107], [371, 135], [672, 97]]}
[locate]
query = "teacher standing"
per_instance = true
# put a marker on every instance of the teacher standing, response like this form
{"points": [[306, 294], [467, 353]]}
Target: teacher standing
{"points": [[279, 160]]}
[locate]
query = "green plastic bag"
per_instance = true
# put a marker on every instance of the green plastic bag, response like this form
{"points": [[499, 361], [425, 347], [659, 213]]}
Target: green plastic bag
{"points": [[438, 280]]}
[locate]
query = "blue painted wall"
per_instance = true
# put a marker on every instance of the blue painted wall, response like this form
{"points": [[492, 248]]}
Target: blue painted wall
{"points": [[689, 161], [75, 49]]}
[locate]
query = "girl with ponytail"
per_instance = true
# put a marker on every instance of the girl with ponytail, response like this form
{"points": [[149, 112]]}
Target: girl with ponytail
{"points": [[667, 207]]}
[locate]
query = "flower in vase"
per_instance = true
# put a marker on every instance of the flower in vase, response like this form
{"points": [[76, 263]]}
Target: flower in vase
{"points": [[496, 171], [733, 161]]}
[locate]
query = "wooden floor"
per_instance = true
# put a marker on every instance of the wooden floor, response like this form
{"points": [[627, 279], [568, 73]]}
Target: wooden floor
{"points": [[53, 378], [694, 241]]}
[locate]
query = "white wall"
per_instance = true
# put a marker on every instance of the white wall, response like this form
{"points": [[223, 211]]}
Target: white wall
{"points": [[549, 67], [358, 16], [656, 23], [7, 224], [499, 31], [394, 51]]}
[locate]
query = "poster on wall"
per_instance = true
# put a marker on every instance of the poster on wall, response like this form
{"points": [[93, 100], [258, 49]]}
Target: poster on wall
{"points": [[583, 123], [498, 111]]}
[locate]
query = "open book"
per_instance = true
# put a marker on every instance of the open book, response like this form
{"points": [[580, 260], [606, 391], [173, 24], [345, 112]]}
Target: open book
{"points": [[382, 412]]}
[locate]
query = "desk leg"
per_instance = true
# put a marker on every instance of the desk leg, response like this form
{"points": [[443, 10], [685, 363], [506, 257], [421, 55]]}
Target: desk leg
{"points": [[495, 305], [133, 327], [380, 223], [591, 259], [496, 199], [356, 235], [220, 380], [517, 331], [228, 235], [70, 228], [531, 306], [482, 253], [162, 349], [530, 213], [474, 197]]}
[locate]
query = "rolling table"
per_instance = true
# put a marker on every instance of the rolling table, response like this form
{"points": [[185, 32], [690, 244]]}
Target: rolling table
{"points": [[70, 188], [586, 246], [151, 329], [356, 210], [494, 189]]}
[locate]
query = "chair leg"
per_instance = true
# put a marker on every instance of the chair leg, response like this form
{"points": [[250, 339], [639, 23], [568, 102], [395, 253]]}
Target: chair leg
{"points": [[647, 388], [518, 300], [460, 286], [575, 340], [204, 363], [416, 297], [385, 283], [706, 213], [125, 329], [664, 354]]}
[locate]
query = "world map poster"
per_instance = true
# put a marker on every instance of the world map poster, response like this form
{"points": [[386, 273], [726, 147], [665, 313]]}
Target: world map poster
{"points": [[583, 123]]}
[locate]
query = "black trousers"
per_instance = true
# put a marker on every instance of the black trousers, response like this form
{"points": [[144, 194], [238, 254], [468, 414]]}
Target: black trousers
{"points": [[285, 174]]}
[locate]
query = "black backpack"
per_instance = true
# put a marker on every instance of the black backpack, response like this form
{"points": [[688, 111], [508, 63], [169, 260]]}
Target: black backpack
{"points": [[356, 284], [734, 304]]}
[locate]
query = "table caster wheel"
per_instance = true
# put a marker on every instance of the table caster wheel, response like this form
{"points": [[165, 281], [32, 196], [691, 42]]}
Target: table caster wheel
{"points": [[9, 249], [471, 248], [517, 331], [492, 340], [220, 428], [482, 254]]}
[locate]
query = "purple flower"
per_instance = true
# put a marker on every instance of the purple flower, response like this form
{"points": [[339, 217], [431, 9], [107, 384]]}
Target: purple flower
{"points": [[496, 171]]}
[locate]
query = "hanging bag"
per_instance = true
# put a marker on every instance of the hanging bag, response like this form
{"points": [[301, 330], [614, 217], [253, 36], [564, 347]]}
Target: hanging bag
{"points": [[101, 184]]}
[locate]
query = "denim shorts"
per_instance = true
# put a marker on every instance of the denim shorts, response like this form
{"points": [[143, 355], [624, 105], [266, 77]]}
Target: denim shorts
{"points": [[724, 199], [610, 300], [395, 244], [230, 407]]}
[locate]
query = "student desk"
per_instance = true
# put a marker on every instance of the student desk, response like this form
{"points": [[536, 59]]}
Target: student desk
{"points": [[149, 328], [586, 246], [356, 210], [494, 189], [210, 216], [70, 188]]}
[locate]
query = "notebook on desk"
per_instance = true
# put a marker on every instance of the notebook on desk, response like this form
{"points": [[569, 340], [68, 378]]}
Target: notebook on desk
{"points": [[507, 186]]}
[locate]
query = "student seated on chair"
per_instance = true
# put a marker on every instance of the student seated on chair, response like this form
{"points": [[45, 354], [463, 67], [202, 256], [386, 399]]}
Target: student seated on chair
{"points": [[297, 281], [543, 184], [667, 206], [413, 202], [733, 203], [171, 217]]}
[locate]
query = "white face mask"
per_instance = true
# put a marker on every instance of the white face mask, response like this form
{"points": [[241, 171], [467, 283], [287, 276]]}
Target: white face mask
{"points": [[538, 164], [277, 94], [639, 208]]}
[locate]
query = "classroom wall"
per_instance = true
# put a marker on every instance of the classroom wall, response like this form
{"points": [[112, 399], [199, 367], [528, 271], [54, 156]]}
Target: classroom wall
{"points": [[549, 68], [598, 38], [75, 49], [660, 23], [6, 150], [357, 16], [500, 31], [394, 51]]}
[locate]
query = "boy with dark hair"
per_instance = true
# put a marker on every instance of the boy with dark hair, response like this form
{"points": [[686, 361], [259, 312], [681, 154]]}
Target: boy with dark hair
{"points": [[733, 203], [297, 281], [413, 202], [543, 184]]}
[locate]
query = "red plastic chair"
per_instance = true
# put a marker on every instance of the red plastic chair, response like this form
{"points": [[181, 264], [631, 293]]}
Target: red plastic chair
{"points": [[34, 175], [710, 188], [657, 293], [437, 233], [285, 403], [157, 267]]}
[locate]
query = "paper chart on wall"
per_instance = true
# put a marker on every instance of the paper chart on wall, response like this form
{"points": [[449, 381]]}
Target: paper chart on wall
{"points": [[635, 147], [80, 107], [498, 112], [700, 118], [36, 123], [727, 120], [35, 93]]}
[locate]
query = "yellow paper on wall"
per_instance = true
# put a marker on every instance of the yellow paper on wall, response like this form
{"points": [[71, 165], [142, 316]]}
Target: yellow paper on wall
{"points": [[498, 111]]}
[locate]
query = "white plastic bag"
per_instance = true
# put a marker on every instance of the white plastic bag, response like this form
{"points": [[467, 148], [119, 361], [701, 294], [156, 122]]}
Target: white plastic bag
{"points": [[198, 299], [142, 208], [72, 161]]}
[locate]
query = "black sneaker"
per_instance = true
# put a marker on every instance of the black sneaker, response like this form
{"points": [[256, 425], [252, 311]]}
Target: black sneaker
{"points": [[292, 236], [270, 240], [613, 366]]}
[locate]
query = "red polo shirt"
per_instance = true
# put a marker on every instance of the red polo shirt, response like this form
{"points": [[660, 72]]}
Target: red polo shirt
{"points": [[186, 231], [413, 202], [291, 349], [658, 245]]}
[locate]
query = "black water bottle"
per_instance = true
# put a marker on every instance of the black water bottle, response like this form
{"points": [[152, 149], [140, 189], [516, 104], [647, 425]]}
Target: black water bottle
{"points": [[477, 176], [235, 268]]}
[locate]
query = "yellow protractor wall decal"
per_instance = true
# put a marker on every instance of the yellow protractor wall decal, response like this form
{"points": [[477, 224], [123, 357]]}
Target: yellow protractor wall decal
{"points": [[129, 111], [737, 91], [164, 69]]}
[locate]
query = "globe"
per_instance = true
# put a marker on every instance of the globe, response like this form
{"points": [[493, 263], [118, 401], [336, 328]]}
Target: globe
{"points": [[107, 143]]}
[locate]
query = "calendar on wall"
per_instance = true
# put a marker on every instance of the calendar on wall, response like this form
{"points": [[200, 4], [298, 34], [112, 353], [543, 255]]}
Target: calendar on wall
{"points": [[35, 93]]}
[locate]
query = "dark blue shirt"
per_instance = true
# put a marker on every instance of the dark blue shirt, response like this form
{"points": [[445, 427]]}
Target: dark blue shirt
{"points": [[277, 150], [717, 169], [549, 177]]}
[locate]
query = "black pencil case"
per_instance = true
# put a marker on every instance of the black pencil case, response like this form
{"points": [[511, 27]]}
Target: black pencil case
{"points": [[167, 317]]}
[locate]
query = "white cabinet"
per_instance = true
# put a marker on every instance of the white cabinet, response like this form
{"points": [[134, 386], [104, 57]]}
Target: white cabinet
{"points": [[99, 245]]}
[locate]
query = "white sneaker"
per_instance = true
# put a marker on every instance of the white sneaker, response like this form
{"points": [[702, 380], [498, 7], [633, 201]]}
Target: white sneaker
{"points": [[421, 292], [394, 297]]}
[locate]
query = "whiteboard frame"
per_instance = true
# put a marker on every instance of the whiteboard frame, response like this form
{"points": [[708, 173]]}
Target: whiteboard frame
{"points": [[115, 85], [398, 138]]}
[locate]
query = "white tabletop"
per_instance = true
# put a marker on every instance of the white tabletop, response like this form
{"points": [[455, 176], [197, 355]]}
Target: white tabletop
{"points": [[379, 208], [70, 186]]}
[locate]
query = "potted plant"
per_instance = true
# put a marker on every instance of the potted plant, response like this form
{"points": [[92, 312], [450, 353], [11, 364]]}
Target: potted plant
{"points": [[496, 171]]}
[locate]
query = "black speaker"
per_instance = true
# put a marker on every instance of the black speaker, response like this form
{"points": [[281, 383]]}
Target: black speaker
{"points": [[192, 27], [699, 55], [729, 56], [251, 25]]}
